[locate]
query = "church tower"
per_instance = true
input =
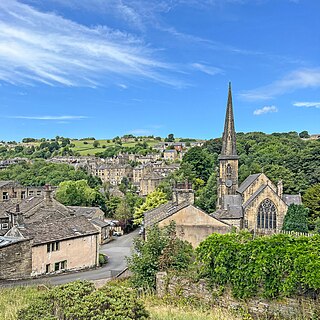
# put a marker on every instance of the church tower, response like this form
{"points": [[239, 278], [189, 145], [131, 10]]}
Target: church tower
{"points": [[228, 159]]}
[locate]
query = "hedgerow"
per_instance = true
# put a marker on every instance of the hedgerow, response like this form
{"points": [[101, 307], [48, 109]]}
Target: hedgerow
{"points": [[274, 266]]}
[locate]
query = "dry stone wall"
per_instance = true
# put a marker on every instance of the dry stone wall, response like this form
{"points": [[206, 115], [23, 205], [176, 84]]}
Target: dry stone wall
{"points": [[286, 308]]}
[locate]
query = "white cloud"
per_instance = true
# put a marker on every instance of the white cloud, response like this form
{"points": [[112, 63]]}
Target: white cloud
{"points": [[61, 118], [266, 109], [206, 69], [44, 47], [298, 79], [307, 104]]}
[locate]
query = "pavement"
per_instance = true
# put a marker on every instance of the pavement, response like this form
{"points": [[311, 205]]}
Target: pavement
{"points": [[117, 251]]}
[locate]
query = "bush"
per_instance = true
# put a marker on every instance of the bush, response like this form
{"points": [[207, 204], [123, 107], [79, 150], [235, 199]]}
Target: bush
{"points": [[79, 300], [274, 266], [103, 259], [161, 251]]}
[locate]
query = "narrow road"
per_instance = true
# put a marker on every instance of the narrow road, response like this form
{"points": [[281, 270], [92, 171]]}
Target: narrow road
{"points": [[117, 250]]}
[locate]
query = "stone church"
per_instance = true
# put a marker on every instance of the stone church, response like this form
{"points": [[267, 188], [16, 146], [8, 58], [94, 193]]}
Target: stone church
{"points": [[257, 204]]}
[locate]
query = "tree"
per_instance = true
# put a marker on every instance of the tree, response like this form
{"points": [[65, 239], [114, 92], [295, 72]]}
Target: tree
{"points": [[170, 138], [78, 193], [311, 199], [96, 144], [304, 134], [153, 200], [200, 161], [296, 219], [161, 251], [208, 195]]}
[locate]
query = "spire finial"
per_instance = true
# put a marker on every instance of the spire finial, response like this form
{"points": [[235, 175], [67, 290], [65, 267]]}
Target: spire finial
{"points": [[229, 134]]}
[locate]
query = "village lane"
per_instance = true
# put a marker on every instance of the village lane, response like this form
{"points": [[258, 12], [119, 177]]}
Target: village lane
{"points": [[117, 251]]}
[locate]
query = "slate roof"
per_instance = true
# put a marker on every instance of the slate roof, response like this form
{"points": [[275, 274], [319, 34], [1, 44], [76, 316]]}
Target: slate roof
{"points": [[4, 183], [57, 230], [156, 215], [231, 213], [6, 241], [100, 223], [292, 199], [247, 182], [88, 212]]}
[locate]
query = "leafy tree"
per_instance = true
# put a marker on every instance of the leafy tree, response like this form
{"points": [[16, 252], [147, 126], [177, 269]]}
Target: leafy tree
{"points": [[311, 199], [170, 138], [96, 144], [296, 219], [304, 134], [78, 193], [200, 161], [40, 173], [153, 200], [207, 198], [79, 300], [111, 206], [161, 251]]}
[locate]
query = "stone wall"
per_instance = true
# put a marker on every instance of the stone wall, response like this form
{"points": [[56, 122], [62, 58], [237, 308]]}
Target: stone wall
{"points": [[15, 260], [286, 308]]}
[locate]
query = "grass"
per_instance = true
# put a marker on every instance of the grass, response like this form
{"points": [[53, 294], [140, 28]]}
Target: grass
{"points": [[14, 299], [168, 312]]}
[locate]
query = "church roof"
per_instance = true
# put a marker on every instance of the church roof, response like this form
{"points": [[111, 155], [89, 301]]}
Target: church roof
{"points": [[292, 199], [229, 134], [247, 182]]}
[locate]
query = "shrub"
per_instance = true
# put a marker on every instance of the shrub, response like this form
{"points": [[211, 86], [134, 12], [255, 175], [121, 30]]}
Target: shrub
{"points": [[161, 251], [79, 300], [274, 266]]}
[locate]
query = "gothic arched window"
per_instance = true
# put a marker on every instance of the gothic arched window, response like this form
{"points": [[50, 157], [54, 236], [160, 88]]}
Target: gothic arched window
{"points": [[267, 215]]}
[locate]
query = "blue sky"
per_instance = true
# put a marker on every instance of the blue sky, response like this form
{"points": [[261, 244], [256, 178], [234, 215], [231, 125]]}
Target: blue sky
{"points": [[110, 67]]}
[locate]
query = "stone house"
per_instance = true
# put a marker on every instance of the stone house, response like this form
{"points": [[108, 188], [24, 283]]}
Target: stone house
{"points": [[114, 173], [61, 238], [170, 155], [13, 190], [69, 243], [192, 223]]}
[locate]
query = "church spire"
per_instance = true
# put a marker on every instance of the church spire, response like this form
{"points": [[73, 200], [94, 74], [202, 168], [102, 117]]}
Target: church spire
{"points": [[229, 133]]}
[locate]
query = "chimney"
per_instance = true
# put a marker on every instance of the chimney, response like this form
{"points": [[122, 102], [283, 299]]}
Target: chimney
{"points": [[280, 189], [183, 192], [48, 195]]}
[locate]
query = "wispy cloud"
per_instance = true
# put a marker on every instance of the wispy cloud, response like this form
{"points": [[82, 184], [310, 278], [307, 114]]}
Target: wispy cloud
{"points": [[44, 47], [60, 118], [206, 69], [307, 104], [298, 79], [266, 109]]}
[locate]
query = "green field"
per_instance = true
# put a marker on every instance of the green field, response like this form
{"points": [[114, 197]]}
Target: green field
{"points": [[86, 147]]}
